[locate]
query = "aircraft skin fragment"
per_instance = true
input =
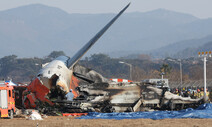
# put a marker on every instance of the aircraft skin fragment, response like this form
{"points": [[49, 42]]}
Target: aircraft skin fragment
{"points": [[73, 85], [130, 93], [37, 91]]}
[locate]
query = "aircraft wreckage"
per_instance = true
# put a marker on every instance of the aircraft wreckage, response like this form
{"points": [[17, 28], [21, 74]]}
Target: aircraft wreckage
{"points": [[92, 92]]}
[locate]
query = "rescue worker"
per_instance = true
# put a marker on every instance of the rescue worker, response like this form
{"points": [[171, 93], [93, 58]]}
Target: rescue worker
{"points": [[176, 92], [181, 93], [207, 94], [192, 93], [202, 92], [70, 95], [195, 94], [198, 93], [187, 93]]}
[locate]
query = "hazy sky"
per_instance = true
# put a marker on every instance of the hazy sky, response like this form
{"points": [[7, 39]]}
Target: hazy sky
{"points": [[198, 8]]}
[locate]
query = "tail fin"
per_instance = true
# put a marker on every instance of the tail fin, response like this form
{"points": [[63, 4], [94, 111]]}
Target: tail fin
{"points": [[72, 61]]}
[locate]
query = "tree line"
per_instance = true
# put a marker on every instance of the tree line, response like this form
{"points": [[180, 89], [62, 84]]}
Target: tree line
{"points": [[143, 67]]}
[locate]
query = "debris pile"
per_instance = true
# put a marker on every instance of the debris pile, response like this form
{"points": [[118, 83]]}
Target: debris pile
{"points": [[29, 114], [35, 116]]}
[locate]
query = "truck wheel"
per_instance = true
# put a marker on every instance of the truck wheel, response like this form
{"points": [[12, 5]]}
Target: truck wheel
{"points": [[11, 114]]}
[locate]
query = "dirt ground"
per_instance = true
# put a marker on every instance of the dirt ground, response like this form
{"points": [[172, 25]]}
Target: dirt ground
{"points": [[59, 121]]}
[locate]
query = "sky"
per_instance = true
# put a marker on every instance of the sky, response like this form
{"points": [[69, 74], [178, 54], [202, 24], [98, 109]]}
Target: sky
{"points": [[198, 8]]}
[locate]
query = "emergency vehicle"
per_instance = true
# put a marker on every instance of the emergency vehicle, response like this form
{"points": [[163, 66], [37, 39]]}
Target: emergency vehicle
{"points": [[7, 100]]}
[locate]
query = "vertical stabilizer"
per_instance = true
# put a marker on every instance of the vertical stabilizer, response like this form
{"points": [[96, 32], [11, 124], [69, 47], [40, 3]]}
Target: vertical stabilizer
{"points": [[72, 61]]}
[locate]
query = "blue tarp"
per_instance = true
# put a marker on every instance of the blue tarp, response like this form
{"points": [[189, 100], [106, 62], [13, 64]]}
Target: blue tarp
{"points": [[203, 111]]}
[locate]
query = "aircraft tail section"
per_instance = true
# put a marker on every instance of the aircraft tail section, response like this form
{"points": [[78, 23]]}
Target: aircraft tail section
{"points": [[72, 61]]}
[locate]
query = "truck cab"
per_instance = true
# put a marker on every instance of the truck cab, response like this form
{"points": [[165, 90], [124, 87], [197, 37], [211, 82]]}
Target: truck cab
{"points": [[7, 100]]}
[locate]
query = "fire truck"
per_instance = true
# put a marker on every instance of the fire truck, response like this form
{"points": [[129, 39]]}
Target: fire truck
{"points": [[7, 100]]}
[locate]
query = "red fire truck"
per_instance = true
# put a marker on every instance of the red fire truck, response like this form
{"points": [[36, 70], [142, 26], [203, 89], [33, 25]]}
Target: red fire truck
{"points": [[7, 100]]}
